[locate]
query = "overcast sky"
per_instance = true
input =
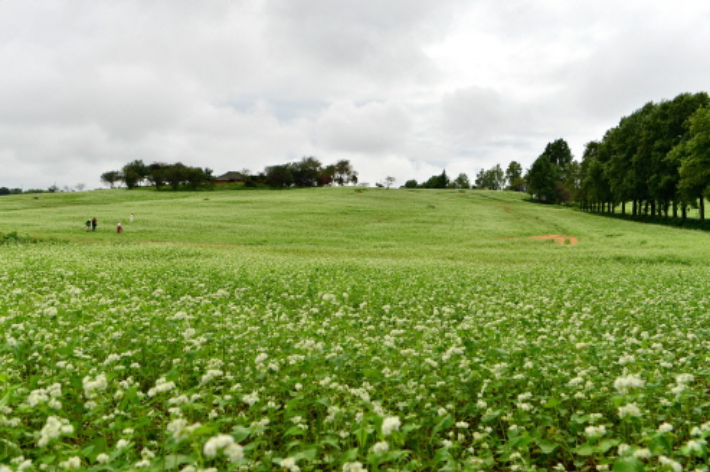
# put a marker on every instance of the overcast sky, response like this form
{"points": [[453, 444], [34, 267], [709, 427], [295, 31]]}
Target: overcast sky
{"points": [[405, 88]]}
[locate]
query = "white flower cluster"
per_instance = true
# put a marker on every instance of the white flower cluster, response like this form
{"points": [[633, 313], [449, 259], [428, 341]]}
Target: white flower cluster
{"points": [[353, 467], [161, 385], [389, 424], [54, 428], [226, 444], [180, 429], [47, 395], [627, 382], [92, 387]]}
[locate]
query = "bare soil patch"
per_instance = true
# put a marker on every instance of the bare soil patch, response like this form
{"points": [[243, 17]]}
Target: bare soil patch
{"points": [[559, 239]]}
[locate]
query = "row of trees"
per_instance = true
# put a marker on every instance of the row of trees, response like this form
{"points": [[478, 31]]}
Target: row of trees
{"points": [[308, 172], [657, 160], [158, 174]]}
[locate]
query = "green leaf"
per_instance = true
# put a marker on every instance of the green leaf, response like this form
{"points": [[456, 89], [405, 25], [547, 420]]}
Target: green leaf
{"points": [[547, 447], [627, 464], [607, 444], [446, 423], [350, 455], [294, 431], [240, 433], [172, 461], [308, 454], [584, 450], [552, 402]]}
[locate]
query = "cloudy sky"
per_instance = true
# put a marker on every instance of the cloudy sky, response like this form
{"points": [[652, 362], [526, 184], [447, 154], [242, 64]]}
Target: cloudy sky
{"points": [[399, 87]]}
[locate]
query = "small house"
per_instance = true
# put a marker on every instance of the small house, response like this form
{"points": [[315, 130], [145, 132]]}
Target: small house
{"points": [[230, 178]]}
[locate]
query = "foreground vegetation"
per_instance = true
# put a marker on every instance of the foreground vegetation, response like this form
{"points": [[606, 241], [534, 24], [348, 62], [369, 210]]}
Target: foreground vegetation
{"points": [[384, 330]]}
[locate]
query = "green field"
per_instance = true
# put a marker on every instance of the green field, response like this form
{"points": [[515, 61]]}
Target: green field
{"points": [[330, 329]]}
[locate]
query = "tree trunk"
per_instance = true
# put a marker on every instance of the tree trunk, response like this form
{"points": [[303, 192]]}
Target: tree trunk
{"points": [[701, 208], [684, 211], [675, 209], [623, 207], [653, 207], [633, 209]]}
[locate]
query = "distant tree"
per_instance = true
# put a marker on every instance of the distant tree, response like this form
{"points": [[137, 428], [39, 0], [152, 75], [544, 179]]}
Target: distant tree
{"points": [[16, 191], [80, 187], [514, 176], [496, 176], [461, 181], [176, 174], [53, 188], [411, 184], [134, 173], [279, 176], [4, 191], [559, 154], [111, 177], [437, 181], [541, 180], [389, 181], [156, 174], [307, 172], [344, 173]]}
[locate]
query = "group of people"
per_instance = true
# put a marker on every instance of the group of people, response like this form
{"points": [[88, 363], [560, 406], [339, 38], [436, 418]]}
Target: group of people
{"points": [[93, 222]]}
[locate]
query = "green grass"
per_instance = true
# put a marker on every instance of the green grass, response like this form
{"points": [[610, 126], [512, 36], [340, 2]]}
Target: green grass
{"points": [[472, 226]]}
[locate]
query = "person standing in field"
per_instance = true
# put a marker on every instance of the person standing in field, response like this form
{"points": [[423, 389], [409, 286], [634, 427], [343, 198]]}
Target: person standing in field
{"points": [[88, 225], [131, 218], [94, 222], [119, 230]]}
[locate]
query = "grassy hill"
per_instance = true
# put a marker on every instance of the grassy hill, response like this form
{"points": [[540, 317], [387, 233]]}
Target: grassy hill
{"points": [[473, 226]]}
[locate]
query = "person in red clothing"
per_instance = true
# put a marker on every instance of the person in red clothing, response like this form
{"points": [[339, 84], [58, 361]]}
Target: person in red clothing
{"points": [[119, 229]]}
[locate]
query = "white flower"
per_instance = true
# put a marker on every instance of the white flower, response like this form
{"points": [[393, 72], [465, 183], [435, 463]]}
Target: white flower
{"points": [[684, 378], [225, 443], [122, 443], [290, 464], [670, 463], [380, 447], [625, 383], [161, 385], [595, 431], [665, 428], [630, 410], [389, 424], [71, 463], [251, 398], [102, 458], [353, 467], [92, 387], [643, 453], [54, 428], [261, 358], [694, 446]]}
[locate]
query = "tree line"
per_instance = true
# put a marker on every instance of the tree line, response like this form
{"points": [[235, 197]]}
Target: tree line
{"points": [[159, 175], [308, 172], [657, 160]]}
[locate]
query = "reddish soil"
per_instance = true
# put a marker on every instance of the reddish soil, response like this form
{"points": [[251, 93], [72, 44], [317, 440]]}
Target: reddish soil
{"points": [[559, 239]]}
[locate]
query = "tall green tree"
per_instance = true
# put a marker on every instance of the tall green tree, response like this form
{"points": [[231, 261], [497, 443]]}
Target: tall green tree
{"points": [[695, 160], [134, 173], [514, 176], [542, 179]]}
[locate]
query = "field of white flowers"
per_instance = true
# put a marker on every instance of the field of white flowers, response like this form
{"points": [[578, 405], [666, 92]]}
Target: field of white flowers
{"points": [[147, 357]]}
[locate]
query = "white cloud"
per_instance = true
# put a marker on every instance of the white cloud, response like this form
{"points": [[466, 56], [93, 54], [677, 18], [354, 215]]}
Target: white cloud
{"points": [[402, 88]]}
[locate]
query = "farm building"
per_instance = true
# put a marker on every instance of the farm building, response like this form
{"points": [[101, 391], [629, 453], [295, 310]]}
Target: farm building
{"points": [[230, 178]]}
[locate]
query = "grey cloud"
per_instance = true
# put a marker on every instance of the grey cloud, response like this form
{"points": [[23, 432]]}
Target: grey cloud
{"points": [[374, 127]]}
